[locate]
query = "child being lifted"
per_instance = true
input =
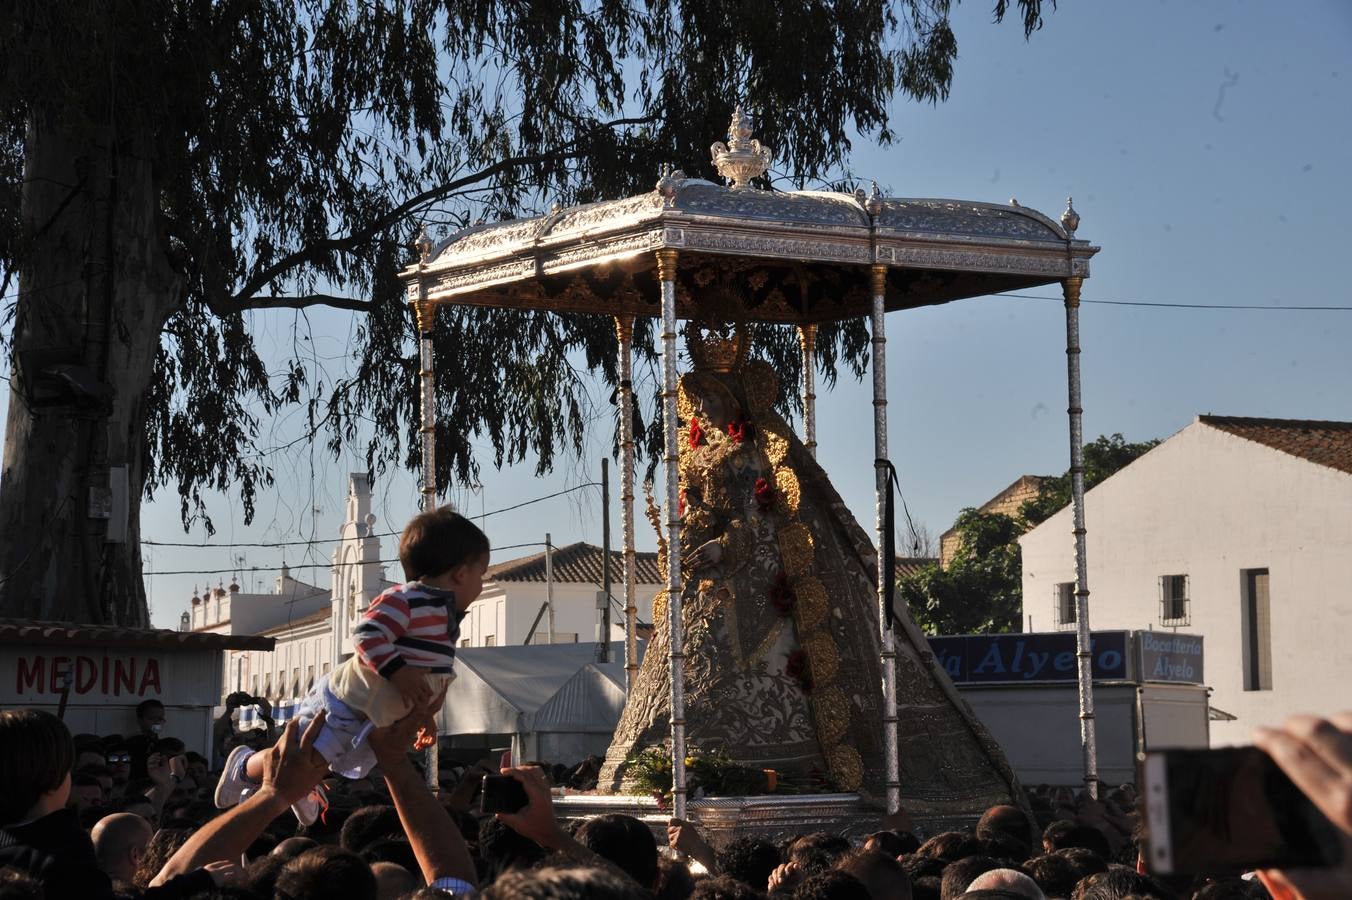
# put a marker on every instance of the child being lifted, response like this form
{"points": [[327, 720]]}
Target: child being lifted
{"points": [[405, 652]]}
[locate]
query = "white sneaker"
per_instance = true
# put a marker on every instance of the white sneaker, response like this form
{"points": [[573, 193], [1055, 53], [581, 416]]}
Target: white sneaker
{"points": [[311, 806], [230, 789]]}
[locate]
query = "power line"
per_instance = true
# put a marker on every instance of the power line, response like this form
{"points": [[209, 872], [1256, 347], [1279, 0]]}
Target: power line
{"points": [[493, 512], [1161, 305], [327, 565]]}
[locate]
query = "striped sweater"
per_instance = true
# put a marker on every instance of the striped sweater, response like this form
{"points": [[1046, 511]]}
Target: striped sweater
{"points": [[409, 624]]}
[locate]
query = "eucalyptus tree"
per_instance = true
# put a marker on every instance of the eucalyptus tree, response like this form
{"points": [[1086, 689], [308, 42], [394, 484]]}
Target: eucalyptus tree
{"points": [[171, 170]]}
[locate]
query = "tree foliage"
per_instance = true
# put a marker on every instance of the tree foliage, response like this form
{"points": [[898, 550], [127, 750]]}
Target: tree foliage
{"points": [[289, 150], [981, 591], [1102, 457]]}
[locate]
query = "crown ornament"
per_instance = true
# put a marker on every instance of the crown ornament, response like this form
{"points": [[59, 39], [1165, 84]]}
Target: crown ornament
{"points": [[741, 158], [717, 348]]}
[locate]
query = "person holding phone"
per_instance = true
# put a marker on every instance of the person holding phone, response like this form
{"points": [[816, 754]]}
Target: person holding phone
{"points": [[1316, 754]]}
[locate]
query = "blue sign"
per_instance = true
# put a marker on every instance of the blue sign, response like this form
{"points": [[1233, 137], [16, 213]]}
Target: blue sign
{"points": [[984, 658], [1170, 657]]}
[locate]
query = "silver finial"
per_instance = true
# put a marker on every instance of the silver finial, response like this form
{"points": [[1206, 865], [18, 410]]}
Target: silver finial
{"points": [[1014, 202], [741, 159], [555, 208], [874, 203], [671, 180], [1070, 219], [424, 245]]}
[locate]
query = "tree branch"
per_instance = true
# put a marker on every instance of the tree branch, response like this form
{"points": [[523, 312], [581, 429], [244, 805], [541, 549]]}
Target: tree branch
{"points": [[302, 302], [318, 249]]}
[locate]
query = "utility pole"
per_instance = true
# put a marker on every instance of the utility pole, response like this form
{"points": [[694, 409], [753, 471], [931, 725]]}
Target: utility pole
{"points": [[603, 640], [549, 583]]}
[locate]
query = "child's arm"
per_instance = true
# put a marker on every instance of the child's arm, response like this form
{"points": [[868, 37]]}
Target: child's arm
{"points": [[385, 622]]}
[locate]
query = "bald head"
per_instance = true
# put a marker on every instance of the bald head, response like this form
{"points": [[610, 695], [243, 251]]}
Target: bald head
{"points": [[393, 880], [119, 841], [1010, 880]]}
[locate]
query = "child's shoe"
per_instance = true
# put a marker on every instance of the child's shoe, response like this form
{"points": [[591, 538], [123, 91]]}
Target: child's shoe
{"points": [[230, 789], [311, 806]]}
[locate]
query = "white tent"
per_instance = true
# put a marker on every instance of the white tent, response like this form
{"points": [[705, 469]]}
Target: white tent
{"points": [[554, 702]]}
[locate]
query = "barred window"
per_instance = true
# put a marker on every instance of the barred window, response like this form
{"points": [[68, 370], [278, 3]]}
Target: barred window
{"points": [[1174, 600]]}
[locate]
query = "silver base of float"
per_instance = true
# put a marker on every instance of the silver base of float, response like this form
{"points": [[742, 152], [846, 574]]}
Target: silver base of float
{"points": [[773, 817]]}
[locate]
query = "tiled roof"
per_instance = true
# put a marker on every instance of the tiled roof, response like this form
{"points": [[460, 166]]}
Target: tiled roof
{"points": [[1326, 443], [68, 634], [578, 563], [908, 566]]}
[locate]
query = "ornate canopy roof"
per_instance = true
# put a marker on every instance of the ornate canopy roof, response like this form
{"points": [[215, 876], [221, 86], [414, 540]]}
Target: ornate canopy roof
{"points": [[745, 253]]}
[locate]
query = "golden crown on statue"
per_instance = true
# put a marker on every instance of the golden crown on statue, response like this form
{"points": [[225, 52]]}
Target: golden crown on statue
{"points": [[717, 348]]}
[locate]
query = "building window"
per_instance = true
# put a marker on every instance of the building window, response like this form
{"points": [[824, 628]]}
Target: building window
{"points": [[328, 666], [295, 682], [1174, 600], [257, 684], [1064, 611], [490, 640], [466, 642], [1256, 622], [560, 637], [309, 678]]}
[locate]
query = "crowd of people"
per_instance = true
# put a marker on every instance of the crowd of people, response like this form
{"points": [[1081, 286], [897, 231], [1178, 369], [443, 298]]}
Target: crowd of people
{"points": [[78, 821]]}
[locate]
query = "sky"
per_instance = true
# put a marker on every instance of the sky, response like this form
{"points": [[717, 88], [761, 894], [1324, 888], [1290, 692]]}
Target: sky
{"points": [[1205, 144]]}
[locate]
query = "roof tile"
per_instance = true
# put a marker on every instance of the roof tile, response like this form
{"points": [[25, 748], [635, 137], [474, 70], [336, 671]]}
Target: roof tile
{"points": [[75, 634], [578, 563], [1325, 443]]}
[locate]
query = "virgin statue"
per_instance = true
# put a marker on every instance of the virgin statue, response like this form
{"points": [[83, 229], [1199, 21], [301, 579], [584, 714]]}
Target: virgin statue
{"points": [[780, 620]]}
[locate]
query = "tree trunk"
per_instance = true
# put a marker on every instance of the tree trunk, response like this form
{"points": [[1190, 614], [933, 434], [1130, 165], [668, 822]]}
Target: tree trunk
{"points": [[95, 290]]}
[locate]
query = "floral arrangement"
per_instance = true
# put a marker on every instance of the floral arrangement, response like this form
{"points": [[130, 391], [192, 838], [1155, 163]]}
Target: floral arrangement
{"points": [[707, 773]]}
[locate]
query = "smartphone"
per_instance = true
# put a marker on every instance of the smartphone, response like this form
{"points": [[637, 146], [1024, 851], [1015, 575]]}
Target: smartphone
{"points": [[502, 794], [1228, 811]]}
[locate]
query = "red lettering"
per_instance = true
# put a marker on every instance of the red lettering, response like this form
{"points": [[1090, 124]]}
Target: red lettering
{"points": [[150, 675], [60, 671], [124, 676], [30, 674], [86, 673], [105, 676]]}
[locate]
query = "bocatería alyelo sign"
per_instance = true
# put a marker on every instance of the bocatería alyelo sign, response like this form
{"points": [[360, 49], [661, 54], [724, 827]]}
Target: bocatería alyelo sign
{"points": [[976, 658]]}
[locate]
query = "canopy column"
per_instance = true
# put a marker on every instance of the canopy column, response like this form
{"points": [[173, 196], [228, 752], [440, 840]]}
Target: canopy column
{"points": [[624, 330], [891, 757], [807, 343], [666, 270], [1071, 291], [424, 312]]}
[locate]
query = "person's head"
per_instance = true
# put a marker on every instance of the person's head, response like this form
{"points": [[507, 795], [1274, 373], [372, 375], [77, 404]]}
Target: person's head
{"points": [[163, 844], [725, 887], [674, 881], [831, 885], [626, 842], [749, 860], [1086, 862], [444, 549], [1055, 874], [120, 840], [294, 846], [1011, 880], [150, 717], [893, 843], [878, 872], [119, 761], [503, 850], [197, 766], [36, 756], [1005, 822], [90, 759], [325, 872], [1062, 834], [1116, 883], [961, 873], [950, 845], [85, 791], [393, 880], [833, 845], [564, 883], [367, 825]]}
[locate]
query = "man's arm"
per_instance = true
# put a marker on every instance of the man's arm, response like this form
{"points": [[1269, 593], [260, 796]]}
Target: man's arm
{"points": [[290, 774], [437, 842]]}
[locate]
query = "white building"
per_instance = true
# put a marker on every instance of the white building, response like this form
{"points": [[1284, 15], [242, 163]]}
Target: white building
{"points": [[312, 626], [1236, 529]]}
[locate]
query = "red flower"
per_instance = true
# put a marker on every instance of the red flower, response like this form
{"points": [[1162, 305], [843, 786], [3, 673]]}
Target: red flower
{"points": [[797, 668], [696, 434], [782, 597], [765, 494], [739, 429]]}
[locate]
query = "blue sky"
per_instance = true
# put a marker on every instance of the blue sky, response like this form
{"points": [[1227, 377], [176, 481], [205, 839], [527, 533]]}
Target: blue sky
{"points": [[1205, 144]]}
